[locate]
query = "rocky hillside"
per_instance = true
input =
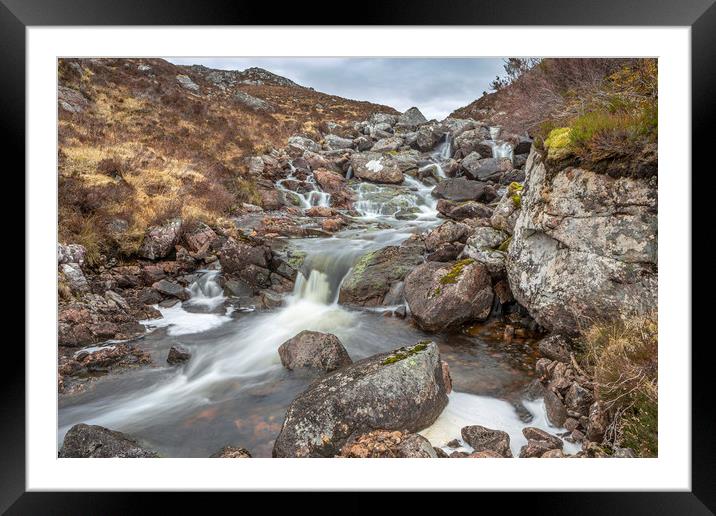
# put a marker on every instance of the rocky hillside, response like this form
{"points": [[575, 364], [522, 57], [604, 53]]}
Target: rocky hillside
{"points": [[143, 140]]}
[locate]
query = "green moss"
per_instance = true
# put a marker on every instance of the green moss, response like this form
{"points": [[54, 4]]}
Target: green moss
{"points": [[558, 143], [404, 353], [454, 274]]}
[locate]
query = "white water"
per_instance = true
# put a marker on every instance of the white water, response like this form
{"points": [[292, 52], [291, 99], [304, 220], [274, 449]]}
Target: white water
{"points": [[313, 197], [500, 149], [468, 409]]}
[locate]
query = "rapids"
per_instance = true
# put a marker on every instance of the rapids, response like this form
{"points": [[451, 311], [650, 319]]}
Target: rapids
{"points": [[234, 391]]}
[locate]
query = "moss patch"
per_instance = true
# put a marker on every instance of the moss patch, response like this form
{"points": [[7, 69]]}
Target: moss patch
{"points": [[404, 353], [505, 245], [454, 275]]}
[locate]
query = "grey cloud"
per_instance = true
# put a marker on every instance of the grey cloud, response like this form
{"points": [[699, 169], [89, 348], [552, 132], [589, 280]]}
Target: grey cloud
{"points": [[437, 86]]}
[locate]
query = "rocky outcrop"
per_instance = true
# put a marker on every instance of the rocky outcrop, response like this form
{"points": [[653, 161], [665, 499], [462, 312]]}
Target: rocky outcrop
{"points": [[375, 273], [402, 390], [91, 441], [159, 240], [411, 119], [446, 295], [584, 246], [314, 350]]}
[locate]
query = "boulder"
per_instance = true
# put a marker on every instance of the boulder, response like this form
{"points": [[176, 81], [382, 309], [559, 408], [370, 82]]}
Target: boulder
{"points": [[314, 350], [231, 452], [186, 82], [556, 411], [598, 422], [555, 347], [463, 210], [71, 100], [461, 189], [333, 142], [171, 288], [251, 102], [428, 136], [71, 253], [445, 295], [536, 449], [235, 256], [507, 210], [532, 433], [383, 118], [199, 237], [584, 246], [446, 233], [373, 275], [402, 390], [388, 444], [362, 143], [485, 439], [387, 144], [485, 169], [160, 240], [411, 119], [75, 278], [483, 246], [467, 141], [375, 167], [85, 441], [297, 145], [178, 355], [446, 252], [578, 399]]}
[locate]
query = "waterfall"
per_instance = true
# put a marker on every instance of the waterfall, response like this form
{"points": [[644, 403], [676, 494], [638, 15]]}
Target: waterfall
{"points": [[312, 197], [444, 151], [316, 288], [206, 291], [500, 148]]}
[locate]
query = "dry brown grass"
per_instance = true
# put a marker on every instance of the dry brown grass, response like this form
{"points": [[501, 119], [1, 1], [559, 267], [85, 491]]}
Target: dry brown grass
{"points": [[622, 356], [146, 149]]}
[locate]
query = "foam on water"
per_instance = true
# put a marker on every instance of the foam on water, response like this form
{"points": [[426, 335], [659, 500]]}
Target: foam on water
{"points": [[468, 409]]}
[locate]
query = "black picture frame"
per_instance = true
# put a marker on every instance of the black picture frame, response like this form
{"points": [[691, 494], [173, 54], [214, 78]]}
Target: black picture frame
{"points": [[699, 15]]}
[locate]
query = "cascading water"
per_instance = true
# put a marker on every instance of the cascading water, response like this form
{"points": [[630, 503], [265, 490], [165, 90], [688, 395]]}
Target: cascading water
{"points": [[500, 148], [311, 194], [206, 291]]}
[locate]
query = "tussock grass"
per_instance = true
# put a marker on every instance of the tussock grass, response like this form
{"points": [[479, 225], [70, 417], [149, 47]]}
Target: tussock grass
{"points": [[622, 356]]}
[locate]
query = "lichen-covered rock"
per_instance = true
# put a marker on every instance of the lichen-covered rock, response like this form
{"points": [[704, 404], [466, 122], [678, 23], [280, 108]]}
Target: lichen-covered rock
{"points": [[75, 278], [411, 119], [375, 167], [444, 295], [485, 439], [255, 103], [85, 441], [199, 237], [160, 240], [507, 210], [71, 253], [231, 452], [314, 350], [483, 246], [402, 390], [392, 143], [388, 444], [235, 255], [186, 82], [297, 145], [485, 169], [584, 246], [333, 142], [462, 189], [373, 275], [468, 140], [428, 136], [463, 210], [448, 232]]}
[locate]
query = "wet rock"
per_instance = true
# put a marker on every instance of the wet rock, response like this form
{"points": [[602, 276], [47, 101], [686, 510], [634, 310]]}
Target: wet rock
{"points": [[71, 253], [235, 256], [160, 240], [168, 303], [447, 378], [485, 439], [388, 444], [446, 295], [231, 452], [428, 136], [171, 288], [375, 167], [555, 347], [536, 449], [373, 275], [320, 211], [463, 210], [556, 411], [584, 247], [402, 390], [85, 441], [462, 189], [484, 246], [440, 453], [178, 355], [314, 350]]}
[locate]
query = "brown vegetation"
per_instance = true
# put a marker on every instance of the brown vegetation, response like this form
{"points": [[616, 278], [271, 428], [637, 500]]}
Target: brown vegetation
{"points": [[142, 148]]}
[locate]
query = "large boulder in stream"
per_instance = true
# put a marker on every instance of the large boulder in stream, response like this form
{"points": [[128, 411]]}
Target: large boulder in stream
{"points": [[446, 295], [85, 441], [462, 189], [401, 390], [584, 246], [376, 273], [314, 350], [375, 167]]}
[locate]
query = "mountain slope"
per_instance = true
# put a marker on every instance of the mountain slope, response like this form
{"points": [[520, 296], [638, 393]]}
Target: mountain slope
{"points": [[142, 140]]}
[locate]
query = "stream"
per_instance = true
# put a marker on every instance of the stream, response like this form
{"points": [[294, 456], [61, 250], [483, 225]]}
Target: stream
{"points": [[234, 390]]}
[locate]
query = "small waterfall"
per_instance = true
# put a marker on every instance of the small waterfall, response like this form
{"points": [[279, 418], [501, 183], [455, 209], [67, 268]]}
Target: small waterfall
{"points": [[444, 150], [206, 291], [316, 288], [314, 196], [500, 148]]}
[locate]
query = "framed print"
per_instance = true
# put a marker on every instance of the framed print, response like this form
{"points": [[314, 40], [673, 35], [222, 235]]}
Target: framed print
{"points": [[426, 235]]}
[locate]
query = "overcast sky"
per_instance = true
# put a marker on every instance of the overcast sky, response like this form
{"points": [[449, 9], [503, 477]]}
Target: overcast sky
{"points": [[437, 86]]}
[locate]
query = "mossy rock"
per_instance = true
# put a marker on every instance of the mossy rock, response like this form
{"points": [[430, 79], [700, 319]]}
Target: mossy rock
{"points": [[558, 144], [454, 274]]}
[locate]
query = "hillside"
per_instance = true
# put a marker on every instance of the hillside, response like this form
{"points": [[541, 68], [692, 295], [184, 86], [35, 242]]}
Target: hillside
{"points": [[142, 140]]}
